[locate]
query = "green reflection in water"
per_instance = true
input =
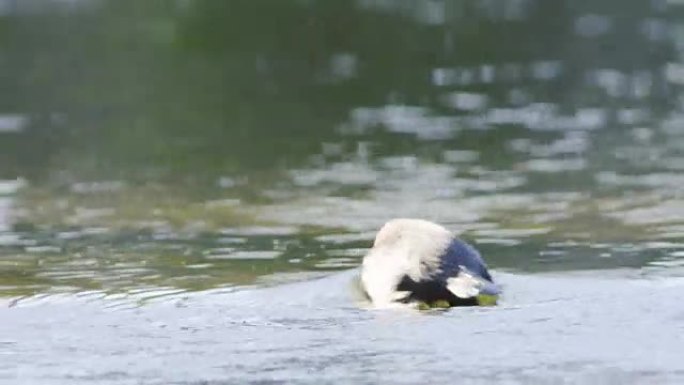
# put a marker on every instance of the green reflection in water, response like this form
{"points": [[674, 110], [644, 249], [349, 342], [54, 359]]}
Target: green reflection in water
{"points": [[196, 144]]}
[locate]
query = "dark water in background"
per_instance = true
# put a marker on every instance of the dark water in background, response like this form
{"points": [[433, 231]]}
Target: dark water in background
{"points": [[161, 150]]}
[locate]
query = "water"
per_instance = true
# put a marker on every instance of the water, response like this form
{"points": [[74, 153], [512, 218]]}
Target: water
{"points": [[550, 329], [187, 188]]}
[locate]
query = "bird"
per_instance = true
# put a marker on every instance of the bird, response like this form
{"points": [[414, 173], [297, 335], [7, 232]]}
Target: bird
{"points": [[415, 261]]}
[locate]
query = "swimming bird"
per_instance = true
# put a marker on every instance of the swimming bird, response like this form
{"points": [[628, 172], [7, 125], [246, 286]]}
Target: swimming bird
{"points": [[415, 261]]}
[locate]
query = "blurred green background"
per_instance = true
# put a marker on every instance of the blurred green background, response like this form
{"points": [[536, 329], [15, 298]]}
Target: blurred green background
{"points": [[196, 144]]}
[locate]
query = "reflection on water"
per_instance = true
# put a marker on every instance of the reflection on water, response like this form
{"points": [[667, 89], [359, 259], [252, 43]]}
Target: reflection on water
{"points": [[201, 144], [180, 154]]}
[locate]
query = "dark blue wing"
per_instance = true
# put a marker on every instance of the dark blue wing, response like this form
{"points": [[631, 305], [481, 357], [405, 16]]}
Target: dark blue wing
{"points": [[457, 257], [459, 254]]}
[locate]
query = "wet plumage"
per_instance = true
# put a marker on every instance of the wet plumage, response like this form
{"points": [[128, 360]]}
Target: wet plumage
{"points": [[414, 261]]}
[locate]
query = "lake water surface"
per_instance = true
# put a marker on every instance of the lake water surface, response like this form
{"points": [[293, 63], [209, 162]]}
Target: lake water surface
{"points": [[188, 187]]}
